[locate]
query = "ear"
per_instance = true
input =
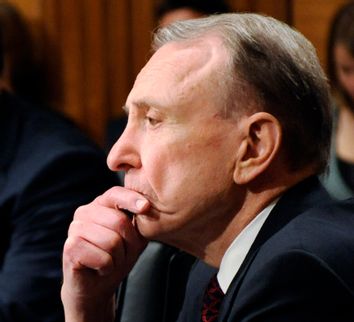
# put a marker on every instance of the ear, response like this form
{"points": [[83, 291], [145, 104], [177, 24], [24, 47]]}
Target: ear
{"points": [[259, 146]]}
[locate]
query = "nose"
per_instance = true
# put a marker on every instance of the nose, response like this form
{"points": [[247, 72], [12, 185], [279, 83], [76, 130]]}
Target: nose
{"points": [[124, 154]]}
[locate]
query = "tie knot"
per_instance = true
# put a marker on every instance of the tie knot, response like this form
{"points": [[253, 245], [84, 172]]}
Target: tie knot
{"points": [[212, 301]]}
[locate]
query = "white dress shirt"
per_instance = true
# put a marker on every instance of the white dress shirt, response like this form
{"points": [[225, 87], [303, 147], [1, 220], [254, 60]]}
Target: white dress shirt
{"points": [[237, 251]]}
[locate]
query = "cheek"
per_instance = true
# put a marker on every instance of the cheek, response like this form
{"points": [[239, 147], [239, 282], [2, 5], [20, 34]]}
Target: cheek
{"points": [[347, 83], [165, 168], [180, 172]]}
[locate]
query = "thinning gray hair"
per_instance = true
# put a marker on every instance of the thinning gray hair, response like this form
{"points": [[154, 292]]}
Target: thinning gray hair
{"points": [[272, 68]]}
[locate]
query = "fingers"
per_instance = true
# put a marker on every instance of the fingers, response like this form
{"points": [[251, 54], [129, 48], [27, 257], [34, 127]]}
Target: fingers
{"points": [[121, 198], [96, 230], [80, 255], [105, 228], [101, 248], [101, 237], [110, 218]]}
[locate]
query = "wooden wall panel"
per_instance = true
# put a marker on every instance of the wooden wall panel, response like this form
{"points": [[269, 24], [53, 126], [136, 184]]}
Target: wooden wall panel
{"points": [[119, 60], [93, 49], [71, 43], [142, 24], [312, 18], [95, 68], [32, 8]]}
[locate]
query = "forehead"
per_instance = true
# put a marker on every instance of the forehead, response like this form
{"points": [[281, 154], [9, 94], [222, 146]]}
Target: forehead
{"points": [[179, 67]]}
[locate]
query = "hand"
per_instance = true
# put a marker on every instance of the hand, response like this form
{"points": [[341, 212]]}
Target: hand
{"points": [[101, 248]]}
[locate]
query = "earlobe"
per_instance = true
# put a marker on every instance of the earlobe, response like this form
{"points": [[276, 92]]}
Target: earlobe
{"points": [[258, 148]]}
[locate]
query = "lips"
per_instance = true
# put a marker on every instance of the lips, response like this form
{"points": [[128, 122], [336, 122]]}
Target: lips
{"points": [[152, 207], [156, 207], [151, 214], [146, 195]]}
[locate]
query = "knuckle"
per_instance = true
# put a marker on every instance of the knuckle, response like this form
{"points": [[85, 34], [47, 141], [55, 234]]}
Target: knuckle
{"points": [[105, 261], [121, 223], [74, 227], [114, 242], [70, 250], [111, 192], [80, 211]]}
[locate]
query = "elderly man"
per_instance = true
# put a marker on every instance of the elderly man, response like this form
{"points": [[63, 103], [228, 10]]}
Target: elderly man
{"points": [[229, 124]]}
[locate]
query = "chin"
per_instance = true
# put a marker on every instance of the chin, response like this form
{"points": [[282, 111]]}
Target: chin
{"points": [[153, 229], [148, 226]]}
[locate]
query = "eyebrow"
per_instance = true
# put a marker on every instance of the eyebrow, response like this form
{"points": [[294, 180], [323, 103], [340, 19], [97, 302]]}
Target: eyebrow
{"points": [[140, 104]]}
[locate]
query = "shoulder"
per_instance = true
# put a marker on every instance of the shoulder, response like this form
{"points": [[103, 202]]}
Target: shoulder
{"points": [[319, 228], [304, 272], [44, 126], [319, 240], [43, 134], [46, 144]]}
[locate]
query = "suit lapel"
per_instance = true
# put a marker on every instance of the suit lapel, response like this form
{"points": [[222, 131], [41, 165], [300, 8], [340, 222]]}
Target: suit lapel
{"points": [[294, 202]]}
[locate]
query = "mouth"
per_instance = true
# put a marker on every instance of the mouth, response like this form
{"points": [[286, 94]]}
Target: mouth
{"points": [[151, 216], [146, 195], [154, 210]]}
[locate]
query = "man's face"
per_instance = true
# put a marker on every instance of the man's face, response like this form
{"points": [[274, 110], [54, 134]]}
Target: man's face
{"points": [[178, 150]]}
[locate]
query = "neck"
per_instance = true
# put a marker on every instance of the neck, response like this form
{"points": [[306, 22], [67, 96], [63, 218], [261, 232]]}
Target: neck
{"points": [[345, 134], [252, 206], [259, 195]]}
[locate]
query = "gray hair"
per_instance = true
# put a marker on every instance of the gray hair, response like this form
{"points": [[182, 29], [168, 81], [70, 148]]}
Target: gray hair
{"points": [[272, 68]]}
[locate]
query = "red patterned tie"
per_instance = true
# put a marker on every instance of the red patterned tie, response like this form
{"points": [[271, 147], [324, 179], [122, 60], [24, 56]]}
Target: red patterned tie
{"points": [[212, 301]]}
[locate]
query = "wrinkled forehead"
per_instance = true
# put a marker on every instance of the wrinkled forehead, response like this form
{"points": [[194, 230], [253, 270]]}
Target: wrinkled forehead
{"points": [[184, 64]]}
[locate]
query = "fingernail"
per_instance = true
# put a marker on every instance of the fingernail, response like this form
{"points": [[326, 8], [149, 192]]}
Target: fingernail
{"points": [[141, 204]]}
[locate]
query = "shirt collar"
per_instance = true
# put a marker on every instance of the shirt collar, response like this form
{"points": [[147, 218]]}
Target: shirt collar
{"points": [[237, 251]]}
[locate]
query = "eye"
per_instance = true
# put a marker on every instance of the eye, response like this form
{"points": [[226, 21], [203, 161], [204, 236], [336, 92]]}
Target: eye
{"points": [[347, 70], [152, 121]]}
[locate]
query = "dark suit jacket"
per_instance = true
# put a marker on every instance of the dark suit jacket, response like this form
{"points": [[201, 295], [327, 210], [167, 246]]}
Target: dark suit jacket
{"points": [[299, 269], [47, 169]]}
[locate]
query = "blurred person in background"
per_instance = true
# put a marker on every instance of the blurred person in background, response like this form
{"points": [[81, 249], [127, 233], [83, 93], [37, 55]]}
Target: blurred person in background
{"points": [[340, 179], [47, 169], [169, 11], [22, 72]]}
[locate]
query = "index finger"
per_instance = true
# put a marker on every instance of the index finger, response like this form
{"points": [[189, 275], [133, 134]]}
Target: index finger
{"points": [[122, 198]]}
